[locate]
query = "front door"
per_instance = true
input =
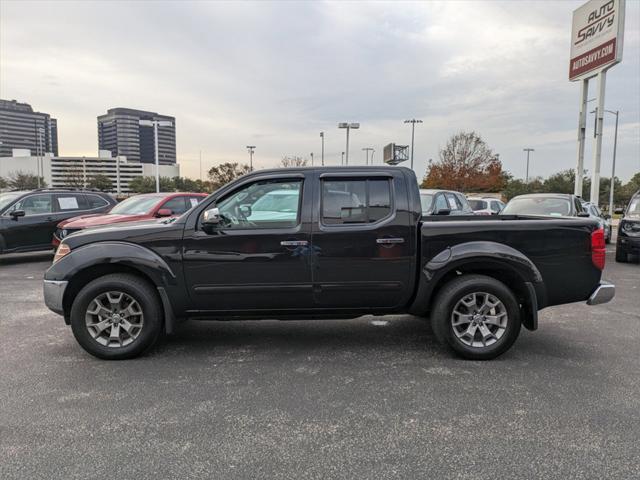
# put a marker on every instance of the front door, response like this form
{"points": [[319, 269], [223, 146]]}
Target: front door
{"points": [[363, 240], [36, 228], [258, 257]]}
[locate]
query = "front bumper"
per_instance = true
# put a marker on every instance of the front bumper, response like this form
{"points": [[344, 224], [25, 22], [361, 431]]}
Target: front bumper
{"points": [[628, 243], [53, 294], [603, 294]]}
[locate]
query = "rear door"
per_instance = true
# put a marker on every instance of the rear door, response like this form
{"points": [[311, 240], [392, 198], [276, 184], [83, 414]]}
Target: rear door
{"points": [[362, 241]]}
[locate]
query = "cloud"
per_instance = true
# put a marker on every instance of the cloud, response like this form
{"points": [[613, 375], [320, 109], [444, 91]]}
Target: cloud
{"points": [[275, 74]]}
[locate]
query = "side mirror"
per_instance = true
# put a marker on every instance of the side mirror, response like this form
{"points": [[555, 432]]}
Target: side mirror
{"points": [[583, 214], [245, 210], [442, 211], [164, 212], [210, 219], [17, 213]]}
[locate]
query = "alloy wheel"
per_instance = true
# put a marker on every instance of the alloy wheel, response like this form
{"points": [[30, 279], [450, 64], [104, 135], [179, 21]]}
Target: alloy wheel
{"points": [[479, 319], [114, 319]]}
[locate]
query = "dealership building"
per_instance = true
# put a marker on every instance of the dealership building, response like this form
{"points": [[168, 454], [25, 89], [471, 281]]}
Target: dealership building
{"points": [[60, 172]]}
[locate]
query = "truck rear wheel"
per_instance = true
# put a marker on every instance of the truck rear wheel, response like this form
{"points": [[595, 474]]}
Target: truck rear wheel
{"points": [[117, 316], [477, 316]]}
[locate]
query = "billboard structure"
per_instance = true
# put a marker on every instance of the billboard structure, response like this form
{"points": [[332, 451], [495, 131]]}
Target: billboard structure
{"points": [[394, 154], [597, 33]]}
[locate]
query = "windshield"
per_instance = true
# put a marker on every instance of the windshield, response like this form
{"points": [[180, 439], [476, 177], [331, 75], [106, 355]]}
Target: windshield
{"points": [[551, 206], [634, 207], [136, 205], [277, 201], [426, 200], [478, 204], [7, 198]]}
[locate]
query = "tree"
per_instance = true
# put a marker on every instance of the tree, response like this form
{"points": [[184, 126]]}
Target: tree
{"points": [[466, 164], [148, 185], [74, 177], [25, 181], [3, 183], [183, 184], [226, 172], [293, 161], [100, 182], [629, 188]]}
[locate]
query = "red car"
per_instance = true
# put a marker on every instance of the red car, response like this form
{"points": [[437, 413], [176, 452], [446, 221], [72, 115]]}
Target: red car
{"points": [[133, 209]]}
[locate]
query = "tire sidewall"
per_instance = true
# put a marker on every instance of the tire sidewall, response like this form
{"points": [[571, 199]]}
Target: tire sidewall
{"points": [[476, 285], [142, 293]]}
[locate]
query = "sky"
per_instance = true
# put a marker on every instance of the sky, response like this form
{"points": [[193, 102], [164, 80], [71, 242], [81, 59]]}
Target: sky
{"points": [[275, 74]]}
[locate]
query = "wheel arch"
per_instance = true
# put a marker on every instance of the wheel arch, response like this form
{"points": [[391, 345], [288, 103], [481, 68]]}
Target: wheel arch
{"points": [[492, 259]]}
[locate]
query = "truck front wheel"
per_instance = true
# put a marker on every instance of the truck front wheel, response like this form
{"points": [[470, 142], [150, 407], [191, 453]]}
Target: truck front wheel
{"points": [[477, 316], [116, 316]]}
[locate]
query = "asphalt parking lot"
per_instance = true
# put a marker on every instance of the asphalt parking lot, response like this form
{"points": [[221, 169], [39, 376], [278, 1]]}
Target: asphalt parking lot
{"points": [[320, 399]]}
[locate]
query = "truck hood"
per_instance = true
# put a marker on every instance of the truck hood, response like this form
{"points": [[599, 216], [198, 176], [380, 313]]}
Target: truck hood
{"points": [[88, 221]]}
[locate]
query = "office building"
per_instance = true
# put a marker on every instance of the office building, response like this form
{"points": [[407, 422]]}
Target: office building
{"points": [[22, 128], [120, 132], [60, 172]]}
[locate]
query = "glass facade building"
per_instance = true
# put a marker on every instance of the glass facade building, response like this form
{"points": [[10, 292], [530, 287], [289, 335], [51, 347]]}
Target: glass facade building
{"points": [[120, 132], [22, 128]]}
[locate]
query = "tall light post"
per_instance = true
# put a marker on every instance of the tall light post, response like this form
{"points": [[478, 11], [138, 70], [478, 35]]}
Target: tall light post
{"points": [[367, 150], [200, 155], [348, 126], [342, 160], [40, 168], [322, 154], [311, 158], [251, 148], [528, 150], [613, 164], [155, 124], [413, 122]]}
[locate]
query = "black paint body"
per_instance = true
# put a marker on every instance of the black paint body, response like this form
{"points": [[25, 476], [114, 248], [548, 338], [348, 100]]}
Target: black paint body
{"points": [[343, 270]]}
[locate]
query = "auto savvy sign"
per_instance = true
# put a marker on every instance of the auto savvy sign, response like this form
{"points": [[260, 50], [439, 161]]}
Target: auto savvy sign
{"points": [[596, 37]]}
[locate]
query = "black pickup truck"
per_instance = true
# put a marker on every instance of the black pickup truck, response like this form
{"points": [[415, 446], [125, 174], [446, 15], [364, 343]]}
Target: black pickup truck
{"points": [[330, 242]]}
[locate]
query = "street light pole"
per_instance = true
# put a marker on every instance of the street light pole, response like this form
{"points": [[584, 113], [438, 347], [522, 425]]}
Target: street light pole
{"points": [[413, 122], [342, 160], [367, 150], [200, 155], [528, 150], [613, 165], [251, 148], [155, 124], [322, 154], [40, 163], [311, 158], [348, 126]]}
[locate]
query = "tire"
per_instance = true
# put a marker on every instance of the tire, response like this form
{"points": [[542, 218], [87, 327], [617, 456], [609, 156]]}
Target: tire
{"points": [[621, 255], [479, 291], [92, 326]]}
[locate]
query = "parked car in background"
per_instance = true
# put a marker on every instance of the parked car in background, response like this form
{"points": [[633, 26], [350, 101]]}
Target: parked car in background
{"points": [[444, 202], [603, 219], [485, 205], [133, 209], [629, 231], [546, 204], [29, 218]]}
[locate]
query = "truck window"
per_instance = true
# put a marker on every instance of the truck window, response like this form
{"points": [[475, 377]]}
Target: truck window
{"points": [[263, 204], [355, 201]]}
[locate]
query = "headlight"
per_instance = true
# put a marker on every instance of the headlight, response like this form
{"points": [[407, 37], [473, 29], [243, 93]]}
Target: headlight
{"points": [[630, 228], [62, 251]]}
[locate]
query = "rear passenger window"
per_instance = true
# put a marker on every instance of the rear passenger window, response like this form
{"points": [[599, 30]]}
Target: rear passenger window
{"points": [[176, 205], [95, 201], [355, 201], [71, 202]]}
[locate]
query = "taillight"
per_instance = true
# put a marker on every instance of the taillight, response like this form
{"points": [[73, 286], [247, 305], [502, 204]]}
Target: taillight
{"points": [[598, 248]]}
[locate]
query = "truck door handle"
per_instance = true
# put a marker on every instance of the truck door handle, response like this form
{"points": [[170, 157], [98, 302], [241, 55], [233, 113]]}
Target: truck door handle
{"points": [[389, 241], [294, 243]]}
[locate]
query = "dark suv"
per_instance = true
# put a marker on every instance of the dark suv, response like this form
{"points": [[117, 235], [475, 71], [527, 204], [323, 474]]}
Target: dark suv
{"points": [[28, 219], [629, 231]]}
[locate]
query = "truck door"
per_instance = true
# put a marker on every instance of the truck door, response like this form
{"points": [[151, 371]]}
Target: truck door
{"points": [[363, 241], [258, 258]]}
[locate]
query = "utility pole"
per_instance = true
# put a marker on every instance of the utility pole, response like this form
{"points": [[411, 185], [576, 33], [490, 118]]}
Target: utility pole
{"points": [[348, 126], [322, 154], [155, 124], [413, 122], [251, 148], [528, 150], [367, 150]]}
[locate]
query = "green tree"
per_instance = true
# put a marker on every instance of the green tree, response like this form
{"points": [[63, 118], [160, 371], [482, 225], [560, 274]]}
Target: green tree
{"points": [[25, 181], [3, 183], [100, 182], [148, 184], [629, 188], [226, 172]]}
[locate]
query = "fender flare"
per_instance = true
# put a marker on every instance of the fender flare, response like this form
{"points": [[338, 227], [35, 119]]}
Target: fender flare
{"points": [[489, 256]]}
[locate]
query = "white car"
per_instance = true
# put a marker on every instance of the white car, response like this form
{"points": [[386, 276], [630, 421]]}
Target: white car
{"points": [[486, 205]]}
